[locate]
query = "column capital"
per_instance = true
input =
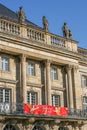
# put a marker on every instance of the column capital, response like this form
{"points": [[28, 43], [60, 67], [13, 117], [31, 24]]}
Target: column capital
{"points": [[47, 62], [69, 67], [23, 56], [75, 68]]}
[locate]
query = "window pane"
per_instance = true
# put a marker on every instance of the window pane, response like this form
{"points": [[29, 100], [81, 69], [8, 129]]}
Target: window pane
{"points": [[7, 96], [32, 98], [4, 96], [85, 102], [54, 73], [5, 63], [1, 95], [56, 100], [31, 69]]}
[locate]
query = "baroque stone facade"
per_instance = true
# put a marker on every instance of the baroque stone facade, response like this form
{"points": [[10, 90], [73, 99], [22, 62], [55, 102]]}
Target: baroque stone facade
{"points": [[38, 67]]}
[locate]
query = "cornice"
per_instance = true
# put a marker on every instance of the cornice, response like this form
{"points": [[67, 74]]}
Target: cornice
{"points": [[8, 81], [58, 88], [39, 46], [35, 85]]}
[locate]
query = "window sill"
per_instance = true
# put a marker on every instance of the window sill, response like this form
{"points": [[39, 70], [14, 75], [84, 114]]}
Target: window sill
{"points": [[5, 71], [32, 76]]}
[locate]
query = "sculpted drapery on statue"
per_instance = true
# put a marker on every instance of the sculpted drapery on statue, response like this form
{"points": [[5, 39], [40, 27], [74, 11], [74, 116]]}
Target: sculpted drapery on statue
{"points": [[66, 32], [21, 15], [45, 23]]}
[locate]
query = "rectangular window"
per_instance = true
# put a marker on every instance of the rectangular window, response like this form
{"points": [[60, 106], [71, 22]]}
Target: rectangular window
{"points": [[31, 97], [5, 95], [84, 81], [31, 69], [54, 75], [4, 63], [55, 100], [85, 103]]}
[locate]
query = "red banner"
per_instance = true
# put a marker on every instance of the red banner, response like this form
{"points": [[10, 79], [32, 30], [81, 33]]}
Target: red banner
{"points": [[45, 110], [27, 108]]}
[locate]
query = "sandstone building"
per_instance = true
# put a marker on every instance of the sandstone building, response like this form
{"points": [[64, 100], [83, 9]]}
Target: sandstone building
{"points": [[38, 67]]}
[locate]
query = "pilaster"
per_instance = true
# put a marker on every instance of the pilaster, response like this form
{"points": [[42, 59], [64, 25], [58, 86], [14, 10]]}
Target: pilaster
{"points": [[76, 87], [48, 81], [70, 89], [23, 78]]}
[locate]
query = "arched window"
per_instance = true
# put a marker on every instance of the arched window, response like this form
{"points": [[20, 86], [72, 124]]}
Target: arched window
{"points": [[37, 127], [9, 127]]}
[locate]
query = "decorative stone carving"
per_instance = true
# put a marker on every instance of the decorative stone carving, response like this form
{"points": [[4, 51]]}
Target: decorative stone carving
{"points": [[51, 125], [21, 15], [20, 126], [45, 23], [46, 127], [66, 32], [75, 68], [31, 120]]}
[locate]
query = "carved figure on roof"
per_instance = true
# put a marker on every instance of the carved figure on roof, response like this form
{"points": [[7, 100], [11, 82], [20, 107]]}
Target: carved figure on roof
{"points": [[21, 15], [66, 32], [70, 34], [45, 23]]}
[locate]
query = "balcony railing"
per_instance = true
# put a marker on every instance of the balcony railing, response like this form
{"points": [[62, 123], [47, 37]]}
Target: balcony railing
{"points": [[9, 27], [18, 108], [82, 51], [36, 34], [57, 41]]}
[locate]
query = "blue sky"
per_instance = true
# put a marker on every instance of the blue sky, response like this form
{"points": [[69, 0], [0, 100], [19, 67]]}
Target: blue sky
{"points": [[73, 12]]}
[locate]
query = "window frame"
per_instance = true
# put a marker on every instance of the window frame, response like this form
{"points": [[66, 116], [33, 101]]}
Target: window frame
{"points": [[54, 103], [5, 65], [84, 80], [4, 96], [30, 95], [54, 73], [84, 102], [31, 69]]}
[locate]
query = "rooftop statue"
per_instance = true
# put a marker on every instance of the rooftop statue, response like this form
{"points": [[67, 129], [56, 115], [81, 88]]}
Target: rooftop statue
{"points": [[45, 23], [21, 15], [66, 32], [70, 34]]}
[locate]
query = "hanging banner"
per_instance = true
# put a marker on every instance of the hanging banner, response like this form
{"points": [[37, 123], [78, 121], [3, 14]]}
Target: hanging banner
{"points": [[45, 110]]}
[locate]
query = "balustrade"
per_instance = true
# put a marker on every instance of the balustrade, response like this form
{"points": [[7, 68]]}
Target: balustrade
{"points": [[82, 51], [55, 40], [18, 108], [35, 35], [9, 27]]}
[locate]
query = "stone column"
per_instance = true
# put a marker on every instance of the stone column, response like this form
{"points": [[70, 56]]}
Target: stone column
{"points": [[48, 82], [76, 87], [67, 92], [70, 91], [23, 79]]}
